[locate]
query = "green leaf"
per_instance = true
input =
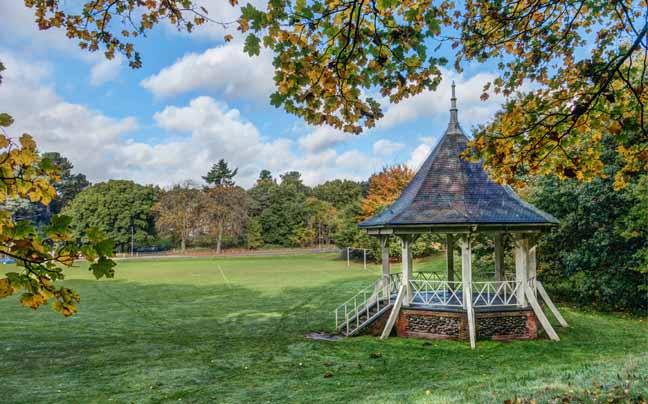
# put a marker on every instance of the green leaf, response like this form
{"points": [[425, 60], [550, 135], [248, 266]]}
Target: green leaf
{"points": [[104, 267], [252, 45]]}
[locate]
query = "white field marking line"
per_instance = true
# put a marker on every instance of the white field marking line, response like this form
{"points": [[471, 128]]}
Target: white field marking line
{"points": [[227, 282]]}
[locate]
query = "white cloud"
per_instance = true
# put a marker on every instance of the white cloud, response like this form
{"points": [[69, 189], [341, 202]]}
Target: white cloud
{"points": [[386, 148], [106, 70], [418, 156], [225, 70], [472, 110], [321, 138], [194, 136]]}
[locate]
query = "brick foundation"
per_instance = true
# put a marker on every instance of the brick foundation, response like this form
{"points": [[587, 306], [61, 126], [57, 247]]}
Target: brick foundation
{"points": [[436, 324]]}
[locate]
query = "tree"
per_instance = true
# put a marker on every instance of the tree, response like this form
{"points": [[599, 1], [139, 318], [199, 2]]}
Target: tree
{"points": [[579, 65], [597, 256], [384, 188], [339, 193], [254, 235], [293, 179], [265, 175], [226, 210], [68, 186], [40, 256], [120, 208], [179, 212], [285, 213], [260, 193], [220, 174]]}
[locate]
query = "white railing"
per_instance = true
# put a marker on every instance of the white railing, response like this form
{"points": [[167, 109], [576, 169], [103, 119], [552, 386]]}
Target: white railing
{"points": [[351, 314], [484, 294], [436, 293], [502, 293]]}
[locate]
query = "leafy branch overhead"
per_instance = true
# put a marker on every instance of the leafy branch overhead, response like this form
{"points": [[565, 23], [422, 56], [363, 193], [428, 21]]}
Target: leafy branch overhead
{"points": [[42, 255], [572, 70]]}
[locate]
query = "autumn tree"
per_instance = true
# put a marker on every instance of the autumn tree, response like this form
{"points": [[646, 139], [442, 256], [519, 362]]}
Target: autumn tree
{"points": [[572, 69], [68, 186], [384, 188], [179, 212], [226, 212], [41, 256]]}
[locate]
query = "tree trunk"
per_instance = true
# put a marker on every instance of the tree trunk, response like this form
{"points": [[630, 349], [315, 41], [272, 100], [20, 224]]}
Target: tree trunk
{"points": [[219, 239], [183, 245]]}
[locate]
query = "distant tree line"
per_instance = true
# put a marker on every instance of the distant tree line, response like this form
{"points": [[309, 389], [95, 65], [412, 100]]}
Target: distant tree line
{"points": [[598, 256]]}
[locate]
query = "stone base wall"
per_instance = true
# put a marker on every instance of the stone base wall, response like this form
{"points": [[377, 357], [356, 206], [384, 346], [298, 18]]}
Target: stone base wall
{"points": [[431, 324]]}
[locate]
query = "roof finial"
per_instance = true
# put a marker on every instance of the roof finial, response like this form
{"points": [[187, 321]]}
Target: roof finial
{"points": [[453, 107]]}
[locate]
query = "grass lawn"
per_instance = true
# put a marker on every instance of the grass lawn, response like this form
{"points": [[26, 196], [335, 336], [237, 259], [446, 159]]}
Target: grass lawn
{"points": [[232, 330]]}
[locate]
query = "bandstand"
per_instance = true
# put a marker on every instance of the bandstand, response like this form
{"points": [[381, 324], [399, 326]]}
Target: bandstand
{"points": [[455, 198]]}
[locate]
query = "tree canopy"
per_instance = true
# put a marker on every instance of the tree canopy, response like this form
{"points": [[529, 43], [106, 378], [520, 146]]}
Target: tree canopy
{"points": [[42, 255], [120, 208], [573, 69]]}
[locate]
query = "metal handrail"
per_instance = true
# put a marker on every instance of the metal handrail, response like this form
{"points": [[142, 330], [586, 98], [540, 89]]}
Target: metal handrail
{"points": [[351, 310]]}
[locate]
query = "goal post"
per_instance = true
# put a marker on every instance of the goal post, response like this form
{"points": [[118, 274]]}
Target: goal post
{"points": [[349, 250]]}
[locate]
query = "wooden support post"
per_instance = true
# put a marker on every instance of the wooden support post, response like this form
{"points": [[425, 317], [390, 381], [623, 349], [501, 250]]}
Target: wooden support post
{"points": [[450, 242], [384, 257], [552, 307], [466, 280], [395, 311], [544, 321], [499, 257], [521, 268], [406, 259], [532, 262]]}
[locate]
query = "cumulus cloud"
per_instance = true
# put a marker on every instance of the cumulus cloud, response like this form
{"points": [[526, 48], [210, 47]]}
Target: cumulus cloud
{"points": [[472, 110], [225, 70], [386, 148], [321, 138]]}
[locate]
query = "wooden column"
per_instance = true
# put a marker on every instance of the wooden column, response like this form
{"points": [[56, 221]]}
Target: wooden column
{"points": [[450, 243], [384, 254], [499, 257], [466, 280], [532, 262], [521, 267], [406, 259]]}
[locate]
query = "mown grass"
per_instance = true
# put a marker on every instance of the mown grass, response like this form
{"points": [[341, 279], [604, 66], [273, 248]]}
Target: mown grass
{"points": [[232, 330]]}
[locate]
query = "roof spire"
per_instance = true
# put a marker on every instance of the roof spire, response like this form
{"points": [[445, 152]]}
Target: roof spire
{"points": [[453, 107]]}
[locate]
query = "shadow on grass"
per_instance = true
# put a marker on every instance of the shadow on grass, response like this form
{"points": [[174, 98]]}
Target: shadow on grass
{"points": [[151, 343]]}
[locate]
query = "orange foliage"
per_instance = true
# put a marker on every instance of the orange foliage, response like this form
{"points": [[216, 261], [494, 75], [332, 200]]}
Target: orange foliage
{"points": [[384, 188]]}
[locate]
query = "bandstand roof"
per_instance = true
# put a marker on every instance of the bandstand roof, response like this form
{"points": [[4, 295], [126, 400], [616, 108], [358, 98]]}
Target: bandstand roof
{"points": [[449, 192]]}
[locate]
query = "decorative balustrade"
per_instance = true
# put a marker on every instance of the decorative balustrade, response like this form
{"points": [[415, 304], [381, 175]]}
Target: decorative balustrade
{"points": [[427, 289]]}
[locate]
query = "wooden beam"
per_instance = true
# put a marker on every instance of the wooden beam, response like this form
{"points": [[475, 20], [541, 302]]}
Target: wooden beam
{"points": [[552, 307], [450, 256], [544, 321], [394, 313], [499, 257]]}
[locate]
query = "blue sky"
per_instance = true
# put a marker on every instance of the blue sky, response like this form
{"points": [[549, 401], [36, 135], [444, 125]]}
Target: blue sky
{"points": [[197, 100]]}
